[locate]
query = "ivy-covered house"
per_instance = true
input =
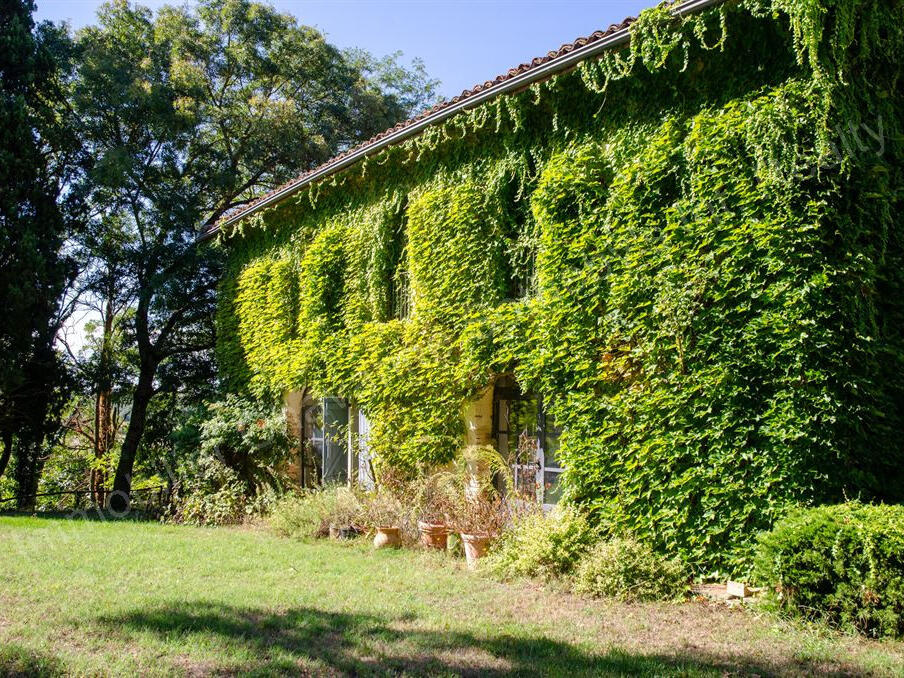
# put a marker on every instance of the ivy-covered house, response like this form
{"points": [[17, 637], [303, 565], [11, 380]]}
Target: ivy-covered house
{"points": [[659, 268]]}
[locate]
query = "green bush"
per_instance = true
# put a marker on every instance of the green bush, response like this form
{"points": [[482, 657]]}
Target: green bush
{"points": [[843, 564], [629, 570], [232, 459], [384, 509], [309, 513], [250, 439], [223, 506], [545, 545], [299, 516]]}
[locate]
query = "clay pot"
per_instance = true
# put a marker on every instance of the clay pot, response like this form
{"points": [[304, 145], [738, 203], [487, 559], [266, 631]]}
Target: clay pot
{"points": [[476, 546], [433, 535], [387, 537]]}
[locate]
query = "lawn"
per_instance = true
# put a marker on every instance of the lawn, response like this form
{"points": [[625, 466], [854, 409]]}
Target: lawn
{"points": [[125, 598]]}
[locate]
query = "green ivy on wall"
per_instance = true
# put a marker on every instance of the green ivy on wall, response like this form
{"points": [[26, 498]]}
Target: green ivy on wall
{"points": [[688, 246]]}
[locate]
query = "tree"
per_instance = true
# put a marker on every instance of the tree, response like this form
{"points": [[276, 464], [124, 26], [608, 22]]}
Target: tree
{"points": [[105, 363], [189, 114], [36, 159], [409, 88]]}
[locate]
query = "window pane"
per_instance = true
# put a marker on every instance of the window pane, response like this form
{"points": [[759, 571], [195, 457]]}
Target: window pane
{"points": [[551, 443], [522, 430], [552, 491], [335, 450], [315, 421]]}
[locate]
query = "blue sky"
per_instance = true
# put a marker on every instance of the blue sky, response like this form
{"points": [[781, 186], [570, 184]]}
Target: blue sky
{"points": [[462, 42]]}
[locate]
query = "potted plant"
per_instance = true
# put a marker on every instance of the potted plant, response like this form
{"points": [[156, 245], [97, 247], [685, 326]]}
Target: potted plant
{"points": [[434, 533], [385, 512], [479, 519], [432, 502], [477, 509]]}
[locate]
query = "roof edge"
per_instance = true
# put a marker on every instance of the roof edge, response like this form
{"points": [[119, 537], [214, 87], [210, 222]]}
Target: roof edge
{"points": [[417, 125]]}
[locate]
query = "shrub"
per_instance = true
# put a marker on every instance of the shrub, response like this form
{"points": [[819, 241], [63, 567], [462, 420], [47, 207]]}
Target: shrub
{"points": [[249, 438], [629, 570], [227, 505], [344, 508], [212, 495], [224, 506], [479, 514], [309, 513], [432, 497], [542, 545], [261, 504], [843, 564], [470, 499], [232, 462]]}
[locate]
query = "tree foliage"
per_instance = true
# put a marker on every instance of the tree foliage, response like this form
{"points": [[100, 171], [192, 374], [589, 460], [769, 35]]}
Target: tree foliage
{"points": [[35, 161], [188, 114]]}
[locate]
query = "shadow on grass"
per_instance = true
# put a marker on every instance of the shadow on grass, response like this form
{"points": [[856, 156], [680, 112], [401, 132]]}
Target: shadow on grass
{"points": [[19, 661], [309, 640]]}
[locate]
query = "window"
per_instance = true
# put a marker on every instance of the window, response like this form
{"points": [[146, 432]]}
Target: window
{"points": [[325, 447], [549, 465], [400, 294], [527, 436], [365, 459]]}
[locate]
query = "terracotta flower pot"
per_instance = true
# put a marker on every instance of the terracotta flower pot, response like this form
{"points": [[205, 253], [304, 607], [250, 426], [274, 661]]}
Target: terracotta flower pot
{"points": [[433, 535], [387, 537], [476, 546]]}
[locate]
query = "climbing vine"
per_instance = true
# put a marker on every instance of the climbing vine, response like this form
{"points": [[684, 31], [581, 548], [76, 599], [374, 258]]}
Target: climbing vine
{"points": [[687, 246]]}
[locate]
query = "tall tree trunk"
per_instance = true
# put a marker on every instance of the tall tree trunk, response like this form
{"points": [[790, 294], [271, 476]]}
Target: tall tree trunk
{"points": [[96, 445], [7, 438], [103, 430], [122, 482], [34, 426], [29, 466]]}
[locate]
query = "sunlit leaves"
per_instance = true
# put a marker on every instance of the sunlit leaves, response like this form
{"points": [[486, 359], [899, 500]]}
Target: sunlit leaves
{"points": [[707, 326]]}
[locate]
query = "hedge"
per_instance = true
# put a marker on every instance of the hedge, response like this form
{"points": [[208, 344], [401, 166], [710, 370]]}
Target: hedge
{"points": [[841, 563]]}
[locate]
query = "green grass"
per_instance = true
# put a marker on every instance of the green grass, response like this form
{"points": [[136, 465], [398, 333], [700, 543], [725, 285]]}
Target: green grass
{"points": [[126, 598]]}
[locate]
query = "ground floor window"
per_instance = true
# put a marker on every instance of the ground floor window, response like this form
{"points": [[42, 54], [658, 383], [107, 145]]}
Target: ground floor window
{"points": [[548, 462], [527, 435], [324, 441]]}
